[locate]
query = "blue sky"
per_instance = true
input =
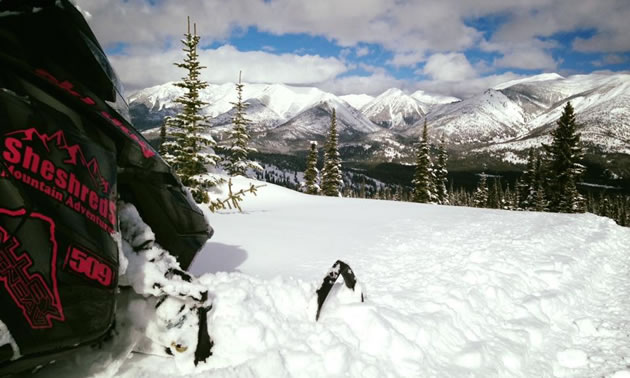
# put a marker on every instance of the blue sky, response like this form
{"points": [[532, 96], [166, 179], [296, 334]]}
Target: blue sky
{"points": [[366, 46]]}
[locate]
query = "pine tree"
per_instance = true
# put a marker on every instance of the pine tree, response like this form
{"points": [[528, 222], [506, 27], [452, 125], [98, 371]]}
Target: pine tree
{"points": [[507, 198], [331, 174], [527, 183], [540, 199], [424, 178], [162, 146], [237, 152], [495, 195], [190, 151], [311, 173], [564, 165], [480, 198], [441, 175]]}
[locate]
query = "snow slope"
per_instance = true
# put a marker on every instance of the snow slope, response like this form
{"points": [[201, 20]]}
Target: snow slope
{"points": [[393, 109], [357, 101], [530, 79], [451, 292]]}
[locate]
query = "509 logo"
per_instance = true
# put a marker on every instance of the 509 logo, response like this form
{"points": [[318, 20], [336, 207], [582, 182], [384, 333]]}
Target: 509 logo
{"points": [[86, 264]]}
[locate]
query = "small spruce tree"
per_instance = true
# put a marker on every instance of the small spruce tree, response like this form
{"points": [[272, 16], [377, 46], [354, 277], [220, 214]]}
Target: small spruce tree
{"points": [[441, 175], [238, 151], [162, 146], [424, 178], [564, 165], [527, 183], [480, 197], [311, 173], [331, 174], [191, 150]]}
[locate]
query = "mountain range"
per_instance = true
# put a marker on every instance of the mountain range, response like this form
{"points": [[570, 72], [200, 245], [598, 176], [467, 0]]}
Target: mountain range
{"points": [[502, 122]]}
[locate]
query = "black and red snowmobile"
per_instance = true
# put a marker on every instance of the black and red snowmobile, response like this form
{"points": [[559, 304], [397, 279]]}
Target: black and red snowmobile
{"points": [[68, 153], [70, 160]]}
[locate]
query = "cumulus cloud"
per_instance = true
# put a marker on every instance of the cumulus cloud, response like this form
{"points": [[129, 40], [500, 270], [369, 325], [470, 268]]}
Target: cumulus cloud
{"points": [[142, 68], [433, 32], [529, 59], [466, 88], [373, 84], [530, 54], [406, 59], [449, 67], [362, 51]]}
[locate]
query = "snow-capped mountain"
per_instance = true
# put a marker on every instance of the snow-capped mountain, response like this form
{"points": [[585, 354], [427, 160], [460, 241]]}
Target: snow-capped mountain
{"points": [[357, 101], [313, 124], [502, 120], [490, 116], [393, 110], [429, 100], [601, 103], [270, 104]]}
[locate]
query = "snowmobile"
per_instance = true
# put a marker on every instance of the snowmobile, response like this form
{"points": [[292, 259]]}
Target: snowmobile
{"points": [[70, 161]]}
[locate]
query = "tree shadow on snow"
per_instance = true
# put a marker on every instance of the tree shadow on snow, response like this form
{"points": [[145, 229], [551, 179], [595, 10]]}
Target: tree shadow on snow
{"points": [[218, 257]]}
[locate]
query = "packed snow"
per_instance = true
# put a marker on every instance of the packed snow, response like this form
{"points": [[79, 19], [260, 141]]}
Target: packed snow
{"points": [[451, 292]]}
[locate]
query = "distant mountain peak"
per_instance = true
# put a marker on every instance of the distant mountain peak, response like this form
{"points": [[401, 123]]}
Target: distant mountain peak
{"points": [[529, 79]]}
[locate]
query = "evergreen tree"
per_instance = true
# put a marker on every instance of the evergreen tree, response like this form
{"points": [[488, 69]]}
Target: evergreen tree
{"points": [[480, 198], [495, 195], [424, 178], [237, 161], [331, 174], [540, 199], [527, 183], [441, 175], [162, 146], [311, 173], [191, 151], [507, 198], [564, 165]]}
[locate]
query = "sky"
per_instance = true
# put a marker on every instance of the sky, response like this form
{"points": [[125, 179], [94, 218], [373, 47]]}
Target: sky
{"points": [[450, 47]]}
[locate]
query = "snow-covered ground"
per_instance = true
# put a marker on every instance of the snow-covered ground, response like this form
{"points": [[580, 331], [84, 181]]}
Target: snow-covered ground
{"points": [[451, 292]]}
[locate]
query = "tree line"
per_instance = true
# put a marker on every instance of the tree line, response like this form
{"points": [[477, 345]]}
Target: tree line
{"points": [[548, 182], [186, 144]]}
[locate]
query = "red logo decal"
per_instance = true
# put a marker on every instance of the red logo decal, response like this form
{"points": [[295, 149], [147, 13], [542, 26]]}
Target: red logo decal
{"points": [[40, 304], [87, 264], [25, 164], [75, 153]]}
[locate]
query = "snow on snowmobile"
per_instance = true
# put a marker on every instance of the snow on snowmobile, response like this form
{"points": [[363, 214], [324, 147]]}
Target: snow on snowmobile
{"points": [[70, 163]]}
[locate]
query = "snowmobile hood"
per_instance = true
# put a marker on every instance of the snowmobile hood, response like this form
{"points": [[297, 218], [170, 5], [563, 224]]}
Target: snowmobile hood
{"points": [[52, 35]]}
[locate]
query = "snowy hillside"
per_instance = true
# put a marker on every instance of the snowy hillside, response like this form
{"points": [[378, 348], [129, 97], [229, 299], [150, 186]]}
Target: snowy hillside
{"points": [[393, 109], [601, 103], [451, 292], [429, 100], [530, 79], [490, 116]]}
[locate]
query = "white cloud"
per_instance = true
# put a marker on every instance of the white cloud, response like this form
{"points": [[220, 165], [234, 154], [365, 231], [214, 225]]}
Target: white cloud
{"points": [[530, 54], [527, 59], [373, 84], [143, 68], [407, 59], [362, 51], [449, 67], [604, 42], [466, 88]]}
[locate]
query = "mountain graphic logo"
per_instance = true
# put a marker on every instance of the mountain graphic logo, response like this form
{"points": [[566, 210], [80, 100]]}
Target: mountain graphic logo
{"points": [[28, 266], [76, 156]]}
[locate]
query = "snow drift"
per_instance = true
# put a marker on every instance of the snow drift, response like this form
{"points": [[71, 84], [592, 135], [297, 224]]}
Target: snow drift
{"points": [[451, 291]]}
